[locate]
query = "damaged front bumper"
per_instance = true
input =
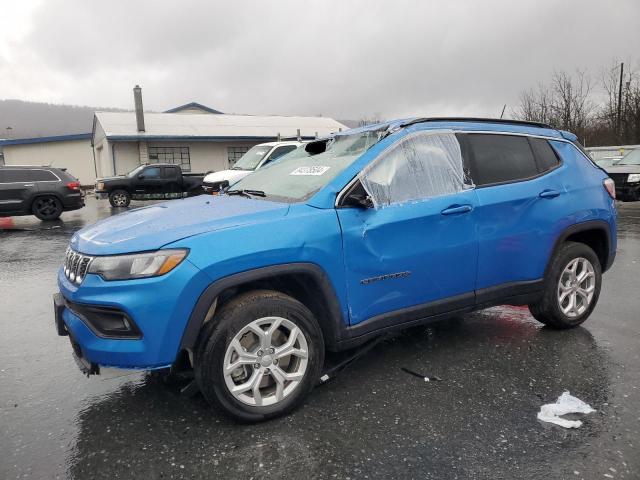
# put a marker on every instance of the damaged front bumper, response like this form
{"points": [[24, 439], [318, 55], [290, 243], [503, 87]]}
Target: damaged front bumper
{"points": [[130, 324], [85, 366]]}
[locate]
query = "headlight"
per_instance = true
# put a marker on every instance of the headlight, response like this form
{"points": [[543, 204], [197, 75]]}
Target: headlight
{"points": [[137, 265], [633, 177], [100, 186]]}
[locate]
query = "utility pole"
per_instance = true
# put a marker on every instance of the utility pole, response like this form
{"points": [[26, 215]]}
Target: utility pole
{"points": [[619, 119]]}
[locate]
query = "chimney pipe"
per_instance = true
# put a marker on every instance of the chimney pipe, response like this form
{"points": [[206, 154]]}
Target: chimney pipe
{"points": [[137, 98]]}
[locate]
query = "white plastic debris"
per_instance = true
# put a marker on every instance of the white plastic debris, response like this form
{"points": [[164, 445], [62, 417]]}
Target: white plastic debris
{"points": [[419, 166], [565, 404]]}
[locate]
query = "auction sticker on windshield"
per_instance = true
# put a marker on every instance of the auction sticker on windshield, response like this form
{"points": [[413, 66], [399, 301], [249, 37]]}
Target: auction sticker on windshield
{"points": [[310, 170]]}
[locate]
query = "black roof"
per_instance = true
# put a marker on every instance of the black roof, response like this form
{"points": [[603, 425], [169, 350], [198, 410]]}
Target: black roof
{"points": [[29, 167], [477, 120]]}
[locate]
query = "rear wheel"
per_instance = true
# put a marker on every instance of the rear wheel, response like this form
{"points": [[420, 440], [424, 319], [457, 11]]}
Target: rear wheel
{"points": [[261, 357], [47, 208], [571, 289], [119, 198]]}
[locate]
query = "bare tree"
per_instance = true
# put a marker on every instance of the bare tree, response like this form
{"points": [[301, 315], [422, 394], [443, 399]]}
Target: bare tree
{"points": [[535, 105], [375, 118], [571, 105], [565, 103]]}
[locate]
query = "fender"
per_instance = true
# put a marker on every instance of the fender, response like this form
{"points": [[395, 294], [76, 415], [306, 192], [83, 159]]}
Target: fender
{"points": [[601, 225], [332, 331]]}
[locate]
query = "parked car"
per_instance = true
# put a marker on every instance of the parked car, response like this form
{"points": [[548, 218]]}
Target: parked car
{"points": [[373, 229], [149, 182], [45, 192], [255, 158], [626, 175], [607, 162]]}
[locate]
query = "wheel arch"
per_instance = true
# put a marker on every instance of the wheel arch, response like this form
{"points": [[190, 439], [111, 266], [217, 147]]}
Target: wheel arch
{"points": [[44, 194], [306, 282], [125, 188], [596, 234]]}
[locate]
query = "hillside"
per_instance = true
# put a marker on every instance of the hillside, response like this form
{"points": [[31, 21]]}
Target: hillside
{"points": [[20, 119]]}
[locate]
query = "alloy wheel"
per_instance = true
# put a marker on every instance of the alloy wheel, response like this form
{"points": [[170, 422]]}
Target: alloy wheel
{"points": [[120, 199], [576, 287], [266, 361], [46, 206]]}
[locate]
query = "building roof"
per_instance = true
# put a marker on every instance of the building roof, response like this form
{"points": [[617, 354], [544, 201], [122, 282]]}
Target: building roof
{"points": [[192, 106], [56, 138], [167, 126]]}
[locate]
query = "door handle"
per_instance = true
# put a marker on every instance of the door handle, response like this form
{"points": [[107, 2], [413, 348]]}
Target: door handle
{"points": [[549, 194], [454, 209]]}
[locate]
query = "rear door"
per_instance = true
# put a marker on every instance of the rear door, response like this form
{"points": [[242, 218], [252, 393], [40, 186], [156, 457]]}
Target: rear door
{"points": [[173, 179], [16, 190], [521, 202]]}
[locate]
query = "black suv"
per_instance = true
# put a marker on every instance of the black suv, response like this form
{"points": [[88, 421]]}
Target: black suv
{"points": [[45, 192]]}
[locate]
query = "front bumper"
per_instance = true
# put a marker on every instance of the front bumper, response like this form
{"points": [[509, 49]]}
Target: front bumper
{"points": [[159, 307], [101, 195], [628, 191]]}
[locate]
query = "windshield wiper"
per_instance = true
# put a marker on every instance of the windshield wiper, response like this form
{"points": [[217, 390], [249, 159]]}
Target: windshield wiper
{"points": [[247, 193]]}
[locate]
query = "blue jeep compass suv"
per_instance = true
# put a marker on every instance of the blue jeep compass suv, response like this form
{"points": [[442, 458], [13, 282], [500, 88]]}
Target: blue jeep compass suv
{"points": [[365, 231]]}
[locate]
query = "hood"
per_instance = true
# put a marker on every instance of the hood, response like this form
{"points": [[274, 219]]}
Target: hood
{"points": [[152, 227], [231, 176], [623, 169]]}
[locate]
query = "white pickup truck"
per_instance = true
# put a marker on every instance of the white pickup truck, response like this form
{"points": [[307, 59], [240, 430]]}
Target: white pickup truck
{"points": [[257, 157]]}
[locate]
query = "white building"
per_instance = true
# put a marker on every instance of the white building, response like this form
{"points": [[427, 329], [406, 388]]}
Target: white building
{"points": [[198, 142], [198, 138], [73, 152]]}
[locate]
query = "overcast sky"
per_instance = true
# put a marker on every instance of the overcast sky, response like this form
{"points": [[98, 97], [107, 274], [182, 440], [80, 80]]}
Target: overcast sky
{"points": [[344, 59]]}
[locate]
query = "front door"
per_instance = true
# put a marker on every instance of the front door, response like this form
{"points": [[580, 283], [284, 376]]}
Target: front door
{"points": [[415, 253], [149, 181]]}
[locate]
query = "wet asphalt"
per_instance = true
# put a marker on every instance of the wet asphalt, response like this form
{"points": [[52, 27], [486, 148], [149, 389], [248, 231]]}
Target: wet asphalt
{"points": [[373, 420]]}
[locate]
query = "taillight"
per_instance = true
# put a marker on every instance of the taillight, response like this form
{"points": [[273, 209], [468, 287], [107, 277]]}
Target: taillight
{"points": [[73, 185], [610, 187]]}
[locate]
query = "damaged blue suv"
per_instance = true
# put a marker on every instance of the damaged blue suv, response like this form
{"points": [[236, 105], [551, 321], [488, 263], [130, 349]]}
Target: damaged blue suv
{"points": [[366, 231]]}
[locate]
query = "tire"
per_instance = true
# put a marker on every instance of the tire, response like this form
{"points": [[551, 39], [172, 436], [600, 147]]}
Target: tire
{"points": [[232, 324], [119, 198], [552, 309], [47, 207]]}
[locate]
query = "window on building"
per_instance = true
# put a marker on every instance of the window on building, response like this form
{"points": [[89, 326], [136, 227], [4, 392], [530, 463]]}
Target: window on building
{"points": [[501, 158], [234, 154], [176, 155]]}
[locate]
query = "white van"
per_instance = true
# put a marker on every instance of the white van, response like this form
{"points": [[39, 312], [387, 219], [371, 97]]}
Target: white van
{"points": [[257, 156]]}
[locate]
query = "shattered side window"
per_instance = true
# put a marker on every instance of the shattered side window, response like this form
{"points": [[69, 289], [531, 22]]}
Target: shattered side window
{"points": [[419, 166]]}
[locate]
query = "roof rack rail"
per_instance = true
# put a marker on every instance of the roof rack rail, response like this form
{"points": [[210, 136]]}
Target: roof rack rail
{"points": [[478, 120]]}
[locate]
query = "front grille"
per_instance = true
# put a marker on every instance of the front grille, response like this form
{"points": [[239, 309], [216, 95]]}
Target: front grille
{"points": [[619, 178], [76, 265]]}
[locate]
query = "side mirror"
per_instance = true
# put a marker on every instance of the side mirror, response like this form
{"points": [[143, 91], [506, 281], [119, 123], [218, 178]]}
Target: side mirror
{"points": [[359, 200]]}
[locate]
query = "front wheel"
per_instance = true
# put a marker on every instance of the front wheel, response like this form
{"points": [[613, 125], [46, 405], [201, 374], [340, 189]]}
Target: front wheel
{"points": [[119, 198], [571, 289], [260, 357]]}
